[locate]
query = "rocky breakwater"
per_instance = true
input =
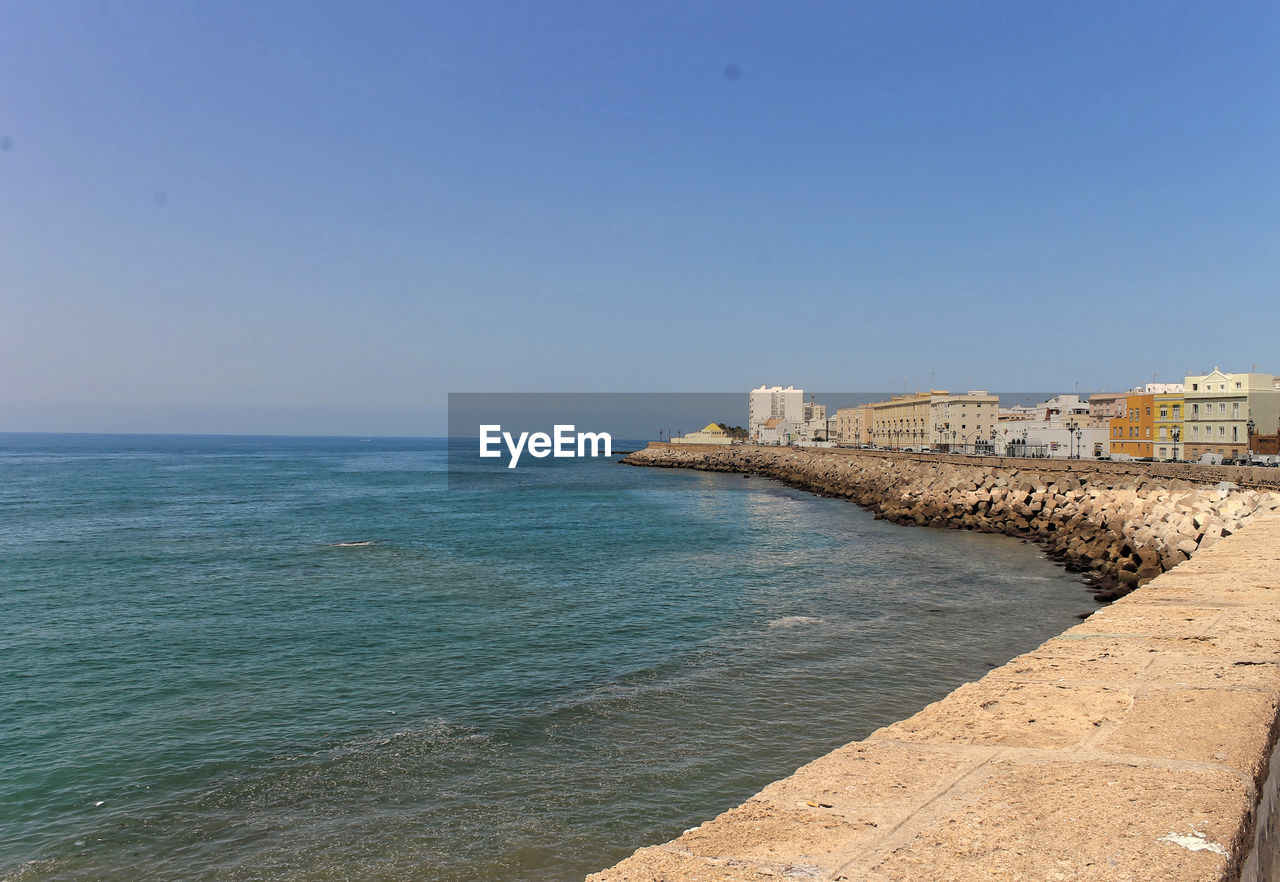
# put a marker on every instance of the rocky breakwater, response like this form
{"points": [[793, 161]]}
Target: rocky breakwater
{"points": [[1122, 529]]}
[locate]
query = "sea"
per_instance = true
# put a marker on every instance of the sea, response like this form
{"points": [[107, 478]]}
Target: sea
{"points": [[243, 658]]}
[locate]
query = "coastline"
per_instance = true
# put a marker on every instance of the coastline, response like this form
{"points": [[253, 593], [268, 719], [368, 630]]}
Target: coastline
{"points": [[1121, 524], [1135, 745]]}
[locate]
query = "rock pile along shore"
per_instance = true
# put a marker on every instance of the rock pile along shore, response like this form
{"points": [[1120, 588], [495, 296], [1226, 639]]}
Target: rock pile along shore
{"points": [[1124, 529]]}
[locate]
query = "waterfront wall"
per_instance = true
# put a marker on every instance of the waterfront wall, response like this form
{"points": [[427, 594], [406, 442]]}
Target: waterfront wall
{"points": [[1122, 523], [1134, 746]]}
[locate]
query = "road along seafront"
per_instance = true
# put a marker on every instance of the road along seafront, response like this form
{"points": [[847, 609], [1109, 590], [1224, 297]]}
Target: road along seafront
{"points": [[1135, 746]]}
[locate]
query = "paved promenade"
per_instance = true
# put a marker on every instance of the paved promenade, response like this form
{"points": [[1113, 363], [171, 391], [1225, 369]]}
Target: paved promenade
{"points": [[1131, 747]]}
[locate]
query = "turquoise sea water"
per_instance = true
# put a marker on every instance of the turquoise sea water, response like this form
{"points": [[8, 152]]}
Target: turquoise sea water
{"points": [[202, 679]]}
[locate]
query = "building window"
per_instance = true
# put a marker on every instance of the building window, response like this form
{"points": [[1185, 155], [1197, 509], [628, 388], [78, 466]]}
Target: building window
{"points": [[1235, 410], [1164, 413]]}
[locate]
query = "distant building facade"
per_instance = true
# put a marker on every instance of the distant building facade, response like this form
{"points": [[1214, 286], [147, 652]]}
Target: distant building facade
{"points": [[963, 422], [1168, 425], [773, 403], [853, 425], [710, 434], [1133, 433], [813, 422], [1105, 405], [1061, 427], [902, 421], [1219, 406]]}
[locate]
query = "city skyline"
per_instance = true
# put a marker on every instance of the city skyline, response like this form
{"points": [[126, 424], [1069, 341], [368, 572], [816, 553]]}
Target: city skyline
{"points": [[321, 219]]}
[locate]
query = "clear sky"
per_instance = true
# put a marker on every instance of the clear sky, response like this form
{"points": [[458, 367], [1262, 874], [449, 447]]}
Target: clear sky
{"points": [[322, 217]]}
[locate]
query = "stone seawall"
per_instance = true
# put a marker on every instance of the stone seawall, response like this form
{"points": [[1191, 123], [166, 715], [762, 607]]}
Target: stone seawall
{"points": [[1123, 523]]}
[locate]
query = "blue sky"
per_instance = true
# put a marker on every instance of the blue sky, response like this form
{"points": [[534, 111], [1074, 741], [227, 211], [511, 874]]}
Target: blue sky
{"points": [[323, 217]]}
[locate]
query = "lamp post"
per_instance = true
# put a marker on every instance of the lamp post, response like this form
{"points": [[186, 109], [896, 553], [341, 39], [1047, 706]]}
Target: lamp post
{"points": [[1249, 429], [1177, 434]]}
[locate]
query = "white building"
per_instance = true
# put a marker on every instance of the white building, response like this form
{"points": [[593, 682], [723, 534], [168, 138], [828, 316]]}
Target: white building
{"points": [[1061, 427], [814, 426], [778, 431], [773, 403]]}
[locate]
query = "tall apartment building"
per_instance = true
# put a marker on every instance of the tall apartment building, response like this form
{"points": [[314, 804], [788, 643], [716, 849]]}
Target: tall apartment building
{"points": [[773, 402], [1218, 408]]}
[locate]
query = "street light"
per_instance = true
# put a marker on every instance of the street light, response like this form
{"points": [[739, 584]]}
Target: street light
{"points": [[1248, 434], [1177, 434]]}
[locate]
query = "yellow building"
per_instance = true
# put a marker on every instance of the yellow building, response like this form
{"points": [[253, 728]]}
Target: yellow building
{"points": [[1131, 434], [1168, 425], [710, 434], [902, 421]]}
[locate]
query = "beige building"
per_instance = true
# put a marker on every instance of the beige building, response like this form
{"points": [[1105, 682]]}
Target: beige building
{"points": [[1105, 405], [902, 421], [1218, 408], [853, 424], [936, 420], [963, 422]]}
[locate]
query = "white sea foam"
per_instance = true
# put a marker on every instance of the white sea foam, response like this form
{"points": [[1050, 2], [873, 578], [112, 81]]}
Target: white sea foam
{"points": [[352, 544], [795, 622]]}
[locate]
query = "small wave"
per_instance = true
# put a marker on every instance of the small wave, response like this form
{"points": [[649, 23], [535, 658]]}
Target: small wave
{"points": [[795, 622], [361, 544]]}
